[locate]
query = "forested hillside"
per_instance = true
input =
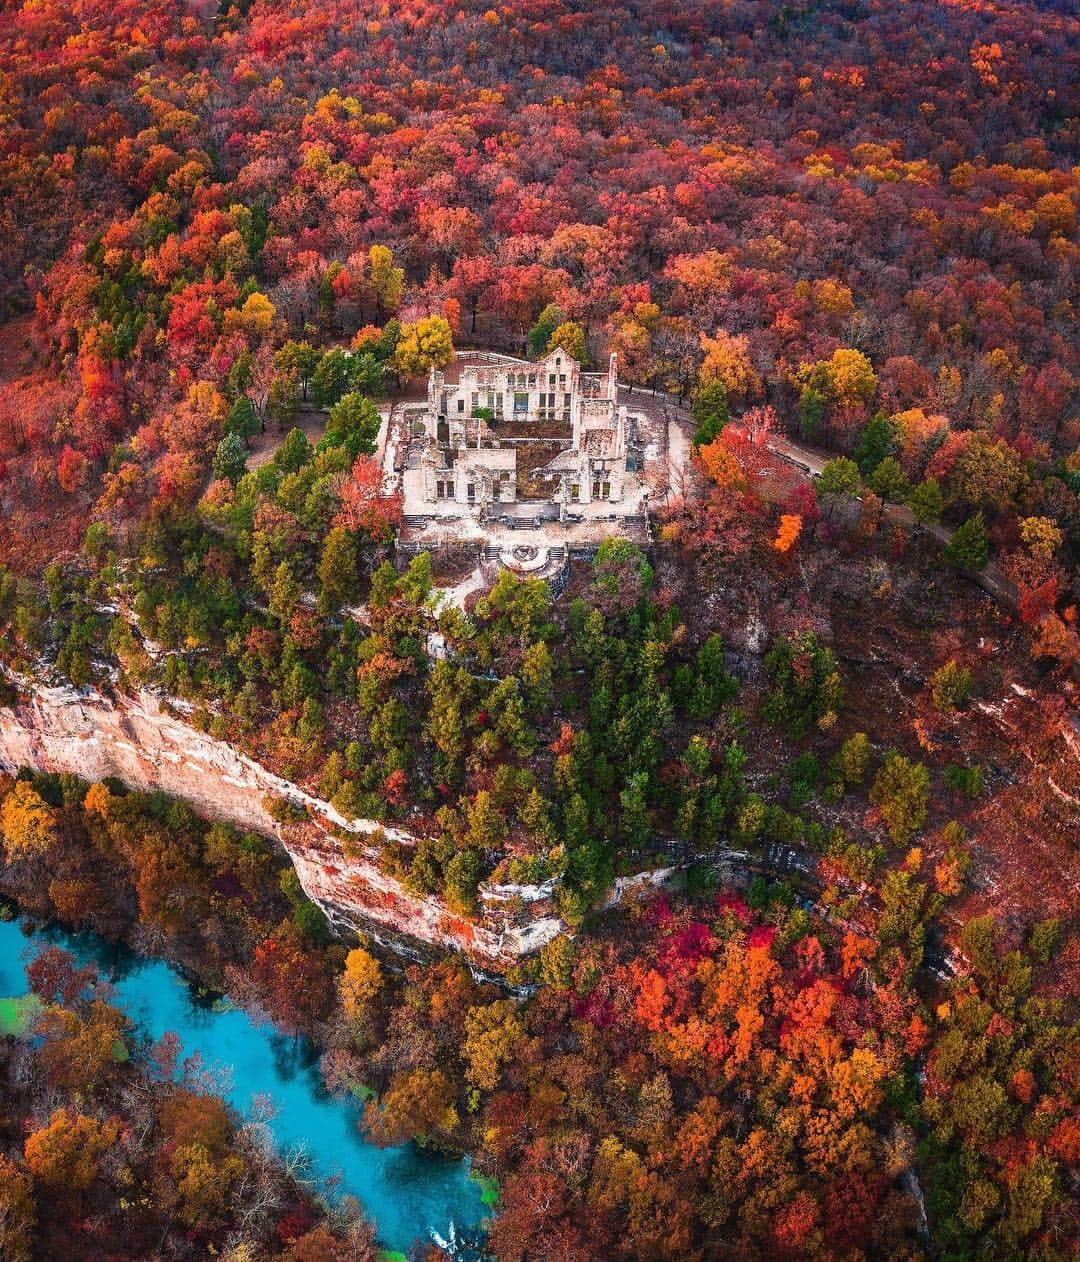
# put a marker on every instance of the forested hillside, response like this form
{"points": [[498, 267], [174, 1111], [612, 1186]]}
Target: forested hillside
{"points": [[890, 178], [833, 245]]}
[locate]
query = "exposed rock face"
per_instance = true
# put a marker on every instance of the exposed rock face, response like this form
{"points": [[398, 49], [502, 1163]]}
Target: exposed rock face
{"points": [[134, 739]]}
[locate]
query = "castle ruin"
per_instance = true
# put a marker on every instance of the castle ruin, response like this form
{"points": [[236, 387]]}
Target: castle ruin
{"points": [[499, 434]]}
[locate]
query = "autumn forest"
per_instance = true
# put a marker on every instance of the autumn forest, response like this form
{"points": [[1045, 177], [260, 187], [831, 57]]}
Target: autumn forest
{"points": [[702, 881]]}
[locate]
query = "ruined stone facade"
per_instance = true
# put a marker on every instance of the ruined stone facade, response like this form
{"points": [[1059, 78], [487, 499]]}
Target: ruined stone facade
{"points": [[483, 411]]}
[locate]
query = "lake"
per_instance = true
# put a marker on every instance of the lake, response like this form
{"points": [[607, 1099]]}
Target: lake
{"points": [[408, 1194]]}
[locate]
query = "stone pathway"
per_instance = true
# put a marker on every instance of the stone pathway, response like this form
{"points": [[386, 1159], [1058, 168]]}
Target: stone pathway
{"points": [[474, 581]]}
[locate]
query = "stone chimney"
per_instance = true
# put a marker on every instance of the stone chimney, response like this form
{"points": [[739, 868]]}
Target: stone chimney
{"points": [[613, 377]]}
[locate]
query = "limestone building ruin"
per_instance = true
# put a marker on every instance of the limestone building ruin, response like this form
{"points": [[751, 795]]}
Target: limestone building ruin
{"points": [[498, 431]]}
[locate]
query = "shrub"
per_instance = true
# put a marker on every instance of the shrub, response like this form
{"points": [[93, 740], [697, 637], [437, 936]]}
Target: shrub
{"points": [[283, 810], [950, 686], [965, 780]]}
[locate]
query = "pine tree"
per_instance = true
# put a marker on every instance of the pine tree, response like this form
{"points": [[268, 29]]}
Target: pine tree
{"points": [[877, 440], [337, 570], [353, 424], [539, 335], [839, 476], [969, 547], [284, 592], [812, 405], [330, 380], [927, 503], [889, 481], [242, 419], [294, 452], [710, 412], [230, 458]]}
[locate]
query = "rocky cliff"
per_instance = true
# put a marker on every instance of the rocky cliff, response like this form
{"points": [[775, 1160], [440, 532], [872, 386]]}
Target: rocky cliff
{"points": [[140, 742]]}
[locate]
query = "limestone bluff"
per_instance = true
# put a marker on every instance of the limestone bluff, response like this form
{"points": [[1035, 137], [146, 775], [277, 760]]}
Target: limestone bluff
{"points": [[141, 741]]}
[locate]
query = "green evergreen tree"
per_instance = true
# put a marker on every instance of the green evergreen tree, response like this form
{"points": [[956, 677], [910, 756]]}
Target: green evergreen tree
{"points": [[901, 789], [283, 399], [384, 586], [461, 880], [539, 336], [812, 407], [875, 443], [353, 424], [242, 419], [927, 503], [294, 452], [337, 570], [230, 458], [416, 583], [445, 727], [284, 593], [950, 686], [969, 548], [633, 800], [889, 481], [367, 375], [331, 378], [840, 476], [240, 375], [299, 360], [710, 411]]}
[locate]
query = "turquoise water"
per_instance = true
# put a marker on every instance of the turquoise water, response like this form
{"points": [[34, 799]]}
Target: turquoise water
{"points": [[406, 1193]]}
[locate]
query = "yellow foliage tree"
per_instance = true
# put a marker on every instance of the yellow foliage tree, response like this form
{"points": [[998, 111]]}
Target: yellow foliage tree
{"points": [[425, 344], [387, 281], [204, 1181], [98, 800], [846, 378], [1042, 535], [418, 1102], [254, 319], [27, 822], [67, 1151], [570, 337], [1055, 212], [721, 465], [833, 298], [360, 983], [727, 360], [492, 1031]]}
